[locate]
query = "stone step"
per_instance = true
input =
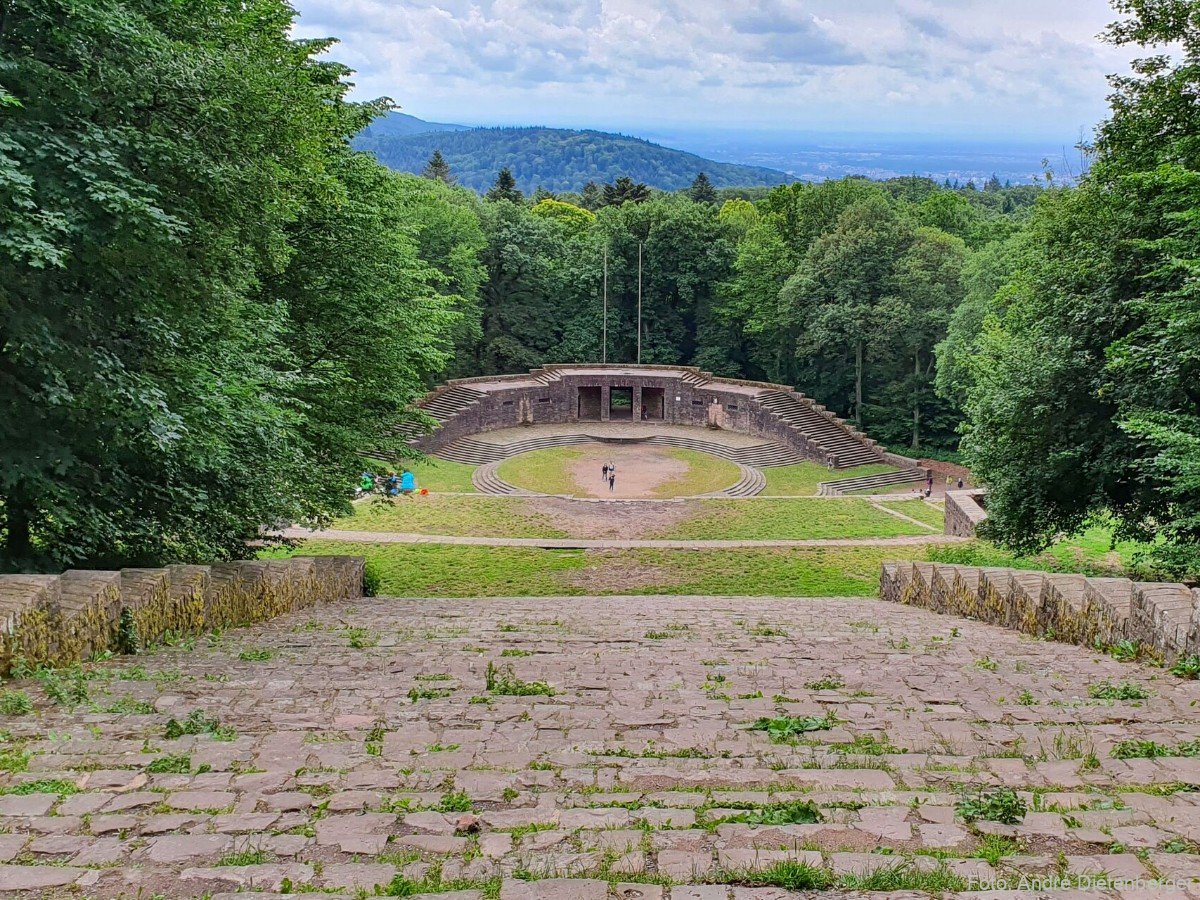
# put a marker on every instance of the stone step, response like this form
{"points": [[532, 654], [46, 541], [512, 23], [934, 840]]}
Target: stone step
{"points": [[869, 482]]}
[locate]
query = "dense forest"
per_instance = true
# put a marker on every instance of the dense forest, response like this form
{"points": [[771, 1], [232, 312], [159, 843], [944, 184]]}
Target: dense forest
{"points": [[209, 301], [557, 159]]}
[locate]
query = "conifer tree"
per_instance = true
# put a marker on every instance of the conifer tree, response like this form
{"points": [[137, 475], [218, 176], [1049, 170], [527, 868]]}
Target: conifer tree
{"points": [[505, 188], [702, 190], [437, 169]]}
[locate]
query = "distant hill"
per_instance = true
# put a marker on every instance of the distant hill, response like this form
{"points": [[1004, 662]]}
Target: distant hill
{"points": [[557, 159], [397, 124]]}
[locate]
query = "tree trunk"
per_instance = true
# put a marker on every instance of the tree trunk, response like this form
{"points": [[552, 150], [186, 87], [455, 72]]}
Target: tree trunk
{"points": [[18, 543], [916, 434], [858, 384]]}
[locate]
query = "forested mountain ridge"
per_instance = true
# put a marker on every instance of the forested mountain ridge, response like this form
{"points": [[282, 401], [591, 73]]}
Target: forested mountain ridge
{"points": [[557, 159], [398, 124]]}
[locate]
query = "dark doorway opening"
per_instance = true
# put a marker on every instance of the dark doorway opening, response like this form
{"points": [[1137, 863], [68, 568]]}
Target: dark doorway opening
{"points": [[653, 404], [589, 404], [620, 403]]}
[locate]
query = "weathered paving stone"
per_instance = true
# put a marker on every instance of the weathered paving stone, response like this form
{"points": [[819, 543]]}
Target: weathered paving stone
{"points": [[621, 773]]}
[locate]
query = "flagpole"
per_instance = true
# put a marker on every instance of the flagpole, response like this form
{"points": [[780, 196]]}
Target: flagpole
{"points": [[639, 346], [604, 332]]}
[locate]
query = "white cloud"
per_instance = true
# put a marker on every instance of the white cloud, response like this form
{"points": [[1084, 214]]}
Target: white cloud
{"points": [[954, 66]]}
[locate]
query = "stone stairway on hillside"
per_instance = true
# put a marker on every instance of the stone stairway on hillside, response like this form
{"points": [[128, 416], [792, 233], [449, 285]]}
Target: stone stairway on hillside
{"points": [[442, 406], [844, 446], [866, 483], [546, 375]]}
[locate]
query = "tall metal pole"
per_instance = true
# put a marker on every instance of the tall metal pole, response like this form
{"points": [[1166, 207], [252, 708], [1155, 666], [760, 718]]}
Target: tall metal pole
{"points": [[639, 354], [604, 332]]}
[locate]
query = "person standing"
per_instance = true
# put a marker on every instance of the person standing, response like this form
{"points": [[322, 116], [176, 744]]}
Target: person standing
{"points": [[604, 472], [612, 480]]}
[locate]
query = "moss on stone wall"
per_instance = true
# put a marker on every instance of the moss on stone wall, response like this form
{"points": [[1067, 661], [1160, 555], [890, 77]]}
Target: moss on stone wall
{"points": [[56, 620]]}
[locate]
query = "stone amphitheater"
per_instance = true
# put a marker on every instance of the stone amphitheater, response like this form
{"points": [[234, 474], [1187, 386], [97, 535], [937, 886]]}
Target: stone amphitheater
{"points": [[483, 421], [970, 732]]}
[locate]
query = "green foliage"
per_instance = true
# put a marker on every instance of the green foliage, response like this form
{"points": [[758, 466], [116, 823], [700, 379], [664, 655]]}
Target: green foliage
{"points": [[177, 764], [1000, 805], [15, 703], [789, 875], [1082, 382], [1186, 667], [797, 812], [197, 722], [559, 159], [785, 729], [455, 801], [1126, 690], [41, 786], [128, 640], [504, 682], [372, 579], [195, 281], [256, 654]]}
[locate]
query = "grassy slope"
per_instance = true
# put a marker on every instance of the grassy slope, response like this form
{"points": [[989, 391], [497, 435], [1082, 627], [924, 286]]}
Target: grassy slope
{"points": [[449, 571], [919, 510], [802, 480], [801, 519], [434, 474], [476, 516]]}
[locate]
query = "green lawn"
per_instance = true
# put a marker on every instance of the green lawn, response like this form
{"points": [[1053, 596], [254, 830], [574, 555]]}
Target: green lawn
{"points": [[801, 480], [706, 473], [801, 519], [546, 471], [472, 516], [1088, 552], [919, 510], [434, 474], [424, 570], [407, 570]]}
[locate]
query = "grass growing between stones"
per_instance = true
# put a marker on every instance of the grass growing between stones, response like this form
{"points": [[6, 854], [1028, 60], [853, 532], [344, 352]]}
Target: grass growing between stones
{"points": [[802, 480], [790, 520], [471, 516]]}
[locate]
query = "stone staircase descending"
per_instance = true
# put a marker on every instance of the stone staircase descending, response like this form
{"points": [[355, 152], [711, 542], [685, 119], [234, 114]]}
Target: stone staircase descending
{"points": [[451, 402], [546, 375], [868, 483], [696, 379], [844, 446], [751, 483]]}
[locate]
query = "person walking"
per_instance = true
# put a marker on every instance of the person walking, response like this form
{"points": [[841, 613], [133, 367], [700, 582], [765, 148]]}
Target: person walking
{"points": [[612, 480], [604, 472]]}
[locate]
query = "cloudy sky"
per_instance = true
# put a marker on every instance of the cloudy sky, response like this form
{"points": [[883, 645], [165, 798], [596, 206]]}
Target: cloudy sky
{"points": [[1012, 68]]}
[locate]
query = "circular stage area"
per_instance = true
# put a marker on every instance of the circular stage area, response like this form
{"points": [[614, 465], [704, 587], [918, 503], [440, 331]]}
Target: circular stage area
{"points": [[653, 463], [640, 471]]}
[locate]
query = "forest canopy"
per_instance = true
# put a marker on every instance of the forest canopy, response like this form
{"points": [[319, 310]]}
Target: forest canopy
{"points": [[211, 302]]}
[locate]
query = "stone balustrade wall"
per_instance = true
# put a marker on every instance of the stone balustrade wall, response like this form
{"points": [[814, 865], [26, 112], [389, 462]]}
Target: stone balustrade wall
{"points": [[965, 512], [56, 620], [1163, 619]]}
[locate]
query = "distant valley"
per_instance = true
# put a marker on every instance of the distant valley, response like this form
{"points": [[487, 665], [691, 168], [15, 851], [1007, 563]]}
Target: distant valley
{"points": [[557, 159]]}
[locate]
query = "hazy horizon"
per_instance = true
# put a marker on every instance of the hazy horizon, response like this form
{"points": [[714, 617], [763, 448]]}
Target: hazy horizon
{"points": [[966, 70]]}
